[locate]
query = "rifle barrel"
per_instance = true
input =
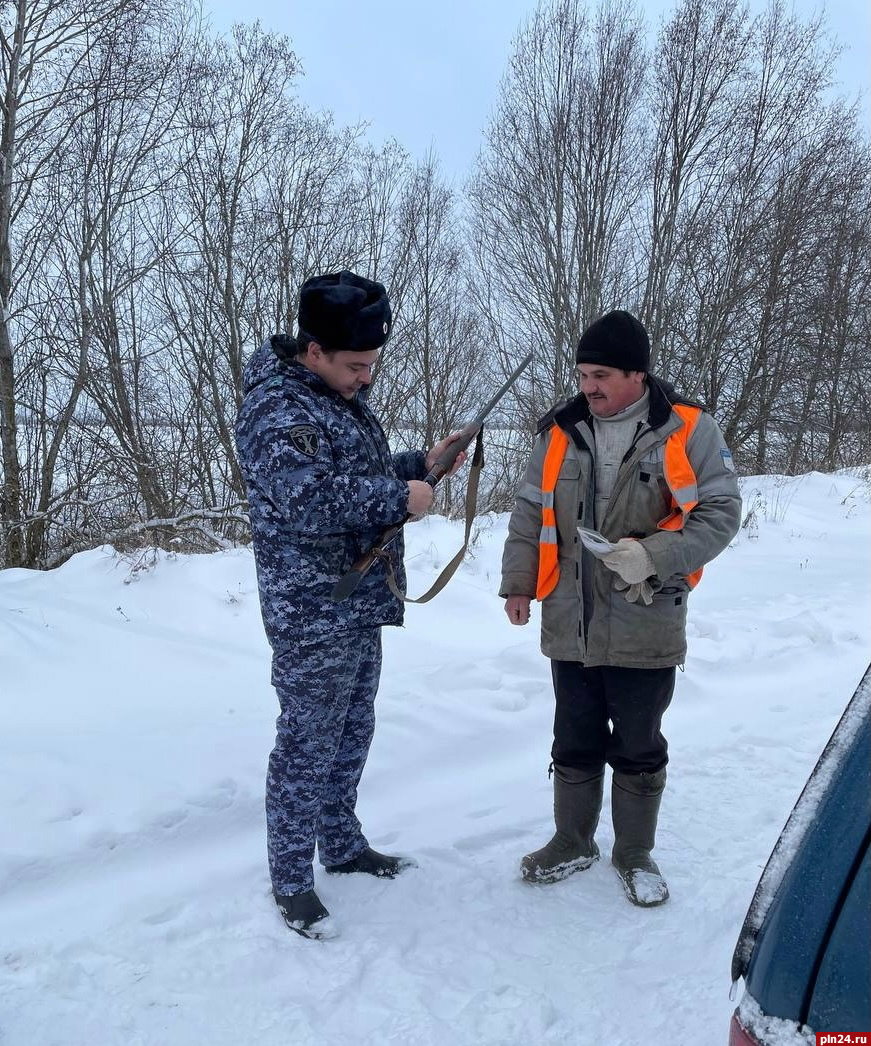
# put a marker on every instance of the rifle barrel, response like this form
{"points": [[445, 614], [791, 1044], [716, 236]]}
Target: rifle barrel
{"points": [[479, 420], [352, 578]]}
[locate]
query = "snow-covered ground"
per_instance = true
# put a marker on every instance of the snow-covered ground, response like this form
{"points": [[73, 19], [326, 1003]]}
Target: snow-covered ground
{"points": [[136, 717]]}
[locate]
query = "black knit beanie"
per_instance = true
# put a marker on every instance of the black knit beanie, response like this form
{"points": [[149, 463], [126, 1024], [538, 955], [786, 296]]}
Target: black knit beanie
{"points": [[616, 339]]}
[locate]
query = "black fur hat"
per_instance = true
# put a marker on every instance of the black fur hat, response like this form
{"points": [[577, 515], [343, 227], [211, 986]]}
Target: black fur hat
{"points": [[616, 339], [344, 311]]}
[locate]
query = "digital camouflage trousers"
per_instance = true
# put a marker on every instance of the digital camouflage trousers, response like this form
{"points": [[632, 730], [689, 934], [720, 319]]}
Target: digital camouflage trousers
{"points": [[326, 689]]}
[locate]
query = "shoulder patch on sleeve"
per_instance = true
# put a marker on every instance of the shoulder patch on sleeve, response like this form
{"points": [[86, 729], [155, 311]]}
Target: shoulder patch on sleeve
{"points": [[726, 455], [305, 439]]}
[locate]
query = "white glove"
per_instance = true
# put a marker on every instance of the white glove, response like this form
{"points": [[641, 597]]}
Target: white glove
{"points": [[640, 592], [630, 560]]}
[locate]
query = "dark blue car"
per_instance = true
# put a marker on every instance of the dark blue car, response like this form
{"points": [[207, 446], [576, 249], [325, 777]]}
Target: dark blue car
{"points": [[805, 946]]}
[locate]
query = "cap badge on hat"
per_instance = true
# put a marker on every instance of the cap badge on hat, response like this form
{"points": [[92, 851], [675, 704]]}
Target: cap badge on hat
{"points": [[384, 328]]}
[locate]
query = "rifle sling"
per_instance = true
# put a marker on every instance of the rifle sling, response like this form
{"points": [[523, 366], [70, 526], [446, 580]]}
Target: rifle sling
{"points": [[451, 568]]}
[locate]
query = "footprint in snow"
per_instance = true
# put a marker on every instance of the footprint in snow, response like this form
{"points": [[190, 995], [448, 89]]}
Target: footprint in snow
{"points": [[165, 915], [475, 814], [481, 841]]}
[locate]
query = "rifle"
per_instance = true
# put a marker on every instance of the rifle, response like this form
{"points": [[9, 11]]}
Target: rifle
{"points": [[349, 581]]}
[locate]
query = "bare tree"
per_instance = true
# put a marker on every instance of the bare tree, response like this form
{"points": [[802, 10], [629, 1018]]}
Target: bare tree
{"points": [[745, 248], [257, 206], [435, 365], [163, 196], [697, 69], [45, 48], [825, 416], [555, 186]]}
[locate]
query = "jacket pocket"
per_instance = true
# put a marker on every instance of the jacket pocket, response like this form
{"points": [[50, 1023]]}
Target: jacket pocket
{"points": [[651, 475], [560, 637], [570, 468], [326, 556], [655, 633]]}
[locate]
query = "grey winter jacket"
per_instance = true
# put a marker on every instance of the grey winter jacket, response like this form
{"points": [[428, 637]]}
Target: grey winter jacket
{"points": [[584, 618], [322, 485]]}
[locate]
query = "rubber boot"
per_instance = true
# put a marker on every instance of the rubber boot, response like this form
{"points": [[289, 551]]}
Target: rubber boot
{"points": [[305, 915], [635, 800], [577, 801], [370, 862]]}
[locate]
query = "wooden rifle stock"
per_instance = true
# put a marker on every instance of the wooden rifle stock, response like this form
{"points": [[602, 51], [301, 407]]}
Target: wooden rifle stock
{"points": [[441, 467]]}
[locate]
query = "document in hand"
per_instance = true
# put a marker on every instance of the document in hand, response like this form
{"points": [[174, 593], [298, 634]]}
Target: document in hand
{"points": [[593, 540]]}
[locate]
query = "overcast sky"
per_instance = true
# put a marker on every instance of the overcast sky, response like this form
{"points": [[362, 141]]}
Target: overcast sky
{"points": [[427, 73]]}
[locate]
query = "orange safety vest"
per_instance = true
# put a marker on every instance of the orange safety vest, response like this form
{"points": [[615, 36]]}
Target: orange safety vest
{"points": [[678, 473]]}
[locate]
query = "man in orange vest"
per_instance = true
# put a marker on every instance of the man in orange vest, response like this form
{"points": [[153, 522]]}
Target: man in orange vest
{"points": [[649, 470]]}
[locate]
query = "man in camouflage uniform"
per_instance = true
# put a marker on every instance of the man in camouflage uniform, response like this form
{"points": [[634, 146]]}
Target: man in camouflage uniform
{"points": [[322, 485], [649, 470]]}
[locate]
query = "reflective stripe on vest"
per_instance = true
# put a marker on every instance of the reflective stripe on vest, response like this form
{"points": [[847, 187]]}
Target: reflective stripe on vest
{"points": [[678, 474], [680, 477], [548, 561]]}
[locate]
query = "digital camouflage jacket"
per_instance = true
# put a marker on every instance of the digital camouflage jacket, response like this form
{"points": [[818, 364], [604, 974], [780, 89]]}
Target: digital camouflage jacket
{"points": [[322, 485]]}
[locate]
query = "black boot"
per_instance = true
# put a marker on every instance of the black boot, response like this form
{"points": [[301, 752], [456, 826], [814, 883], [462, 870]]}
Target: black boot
{"points": [[635, 802], [577, 800], [305, 915], [370, 862]]}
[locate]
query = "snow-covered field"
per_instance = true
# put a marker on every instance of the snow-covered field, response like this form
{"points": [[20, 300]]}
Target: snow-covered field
{"points": [[136, 718]]}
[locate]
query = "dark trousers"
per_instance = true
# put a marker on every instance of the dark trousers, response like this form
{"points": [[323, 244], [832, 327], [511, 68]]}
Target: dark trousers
{"points": [[610, 715], [326, 689]]}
